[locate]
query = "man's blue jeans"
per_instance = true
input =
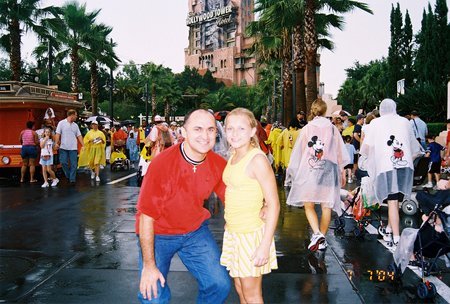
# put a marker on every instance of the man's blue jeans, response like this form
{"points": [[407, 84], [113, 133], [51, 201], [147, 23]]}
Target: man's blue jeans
{"points": [[199, 253], [69, 163]]}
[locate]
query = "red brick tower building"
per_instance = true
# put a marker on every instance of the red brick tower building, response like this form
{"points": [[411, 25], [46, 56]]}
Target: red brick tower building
{"points": [[217, 39]]}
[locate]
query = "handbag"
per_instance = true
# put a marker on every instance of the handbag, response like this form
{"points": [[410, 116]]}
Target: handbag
{"points": [[368, 194]]}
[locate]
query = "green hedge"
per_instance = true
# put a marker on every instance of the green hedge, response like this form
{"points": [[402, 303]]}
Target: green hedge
{"points": [[434, 128]]}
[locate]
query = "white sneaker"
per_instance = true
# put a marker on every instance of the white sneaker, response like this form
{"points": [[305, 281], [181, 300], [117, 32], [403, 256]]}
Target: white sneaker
{"points": [[386, 234], [428, 185], [55, 182], [45, 185], [316, 240], [323, 246], [97, 178], [92, 175]]}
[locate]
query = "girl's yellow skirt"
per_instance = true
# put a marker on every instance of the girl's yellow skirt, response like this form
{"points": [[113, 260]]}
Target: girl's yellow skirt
{"points": [[237, 250]]}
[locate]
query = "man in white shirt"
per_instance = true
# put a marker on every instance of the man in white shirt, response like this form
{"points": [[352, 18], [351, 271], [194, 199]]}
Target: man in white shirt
{"points": [[67, 133], [419, 127]]}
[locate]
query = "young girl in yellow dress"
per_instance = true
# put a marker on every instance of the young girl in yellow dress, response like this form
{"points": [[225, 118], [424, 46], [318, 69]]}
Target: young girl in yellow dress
{"points": [[248, 245]]}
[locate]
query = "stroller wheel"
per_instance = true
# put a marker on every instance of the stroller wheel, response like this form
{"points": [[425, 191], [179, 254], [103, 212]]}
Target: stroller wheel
{"points": [[426, 290], [393, 268], [409, 207]]}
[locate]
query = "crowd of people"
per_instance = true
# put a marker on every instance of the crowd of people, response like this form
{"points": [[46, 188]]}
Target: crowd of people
{"points": [[238, 160]]}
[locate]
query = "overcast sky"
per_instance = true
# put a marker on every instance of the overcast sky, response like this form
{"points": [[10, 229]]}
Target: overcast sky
{"points": [[156, 31]]}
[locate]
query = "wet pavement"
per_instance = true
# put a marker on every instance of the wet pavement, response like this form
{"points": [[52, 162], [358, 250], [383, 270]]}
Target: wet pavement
{"points": [[76, 244]]}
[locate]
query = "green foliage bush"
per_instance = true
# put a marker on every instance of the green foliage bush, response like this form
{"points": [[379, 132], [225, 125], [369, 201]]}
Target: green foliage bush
{"points": [[434, 128]]}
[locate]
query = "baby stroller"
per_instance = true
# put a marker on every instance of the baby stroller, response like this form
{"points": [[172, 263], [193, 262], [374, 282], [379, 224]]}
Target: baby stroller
{"points": [[119, 160], [355, 205], [427, 243]]}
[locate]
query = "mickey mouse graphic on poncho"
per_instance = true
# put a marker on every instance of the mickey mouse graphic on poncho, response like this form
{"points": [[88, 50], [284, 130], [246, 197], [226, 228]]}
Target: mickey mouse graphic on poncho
{"points": [[397, 157], [316, 160]]}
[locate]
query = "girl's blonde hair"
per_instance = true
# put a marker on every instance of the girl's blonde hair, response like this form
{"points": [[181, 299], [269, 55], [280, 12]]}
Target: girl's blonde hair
{"points": [[254, 141], [318, 108]]}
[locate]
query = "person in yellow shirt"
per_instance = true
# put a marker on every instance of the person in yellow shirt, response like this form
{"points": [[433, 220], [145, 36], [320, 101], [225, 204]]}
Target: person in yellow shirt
{"points": [[351, 126], [93, 154], [286, 141], [248, 250], [272, 141]]}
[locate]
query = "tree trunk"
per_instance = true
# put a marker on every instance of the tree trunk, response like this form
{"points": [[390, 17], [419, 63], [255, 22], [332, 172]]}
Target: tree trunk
{"points": [[300, 93], [94, 87], [167, 111], [287, 87], [75, 69], [15, 61], [299, 59], [311, 51], [153, 101]]}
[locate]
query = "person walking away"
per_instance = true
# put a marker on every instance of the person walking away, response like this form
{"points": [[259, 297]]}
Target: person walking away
{"points": [[171, 218], [316, 172], [356, 141], [133, 149], [67, 134], [351, 154], [46, 160], [29, 141], [390, 148], [159, 137], [434, 153], [94, 153], [107, 132], [248, 250], [287, 140], [419, 128]]}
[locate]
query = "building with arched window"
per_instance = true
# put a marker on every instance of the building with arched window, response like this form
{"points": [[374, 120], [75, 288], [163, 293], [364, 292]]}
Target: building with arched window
{"points": [[217, 40]]}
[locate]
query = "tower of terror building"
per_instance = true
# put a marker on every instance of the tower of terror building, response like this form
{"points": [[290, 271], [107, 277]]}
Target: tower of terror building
{"points": [[217, 40]]}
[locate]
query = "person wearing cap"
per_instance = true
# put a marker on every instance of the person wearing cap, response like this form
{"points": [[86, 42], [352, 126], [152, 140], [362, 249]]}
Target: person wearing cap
{"points": [[171, 218], [174, 132], [159, 137], [67, 134], [344, 118], [93, 153], [419, 127]]}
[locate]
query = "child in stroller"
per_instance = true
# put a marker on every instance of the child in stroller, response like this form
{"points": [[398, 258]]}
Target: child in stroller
{"points": [[119, 160], [422, 247]]}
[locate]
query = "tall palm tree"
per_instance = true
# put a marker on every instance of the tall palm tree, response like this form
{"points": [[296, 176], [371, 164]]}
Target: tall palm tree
{"points": [[73, 31], [312, 9], [100, 51], [16, 18]]}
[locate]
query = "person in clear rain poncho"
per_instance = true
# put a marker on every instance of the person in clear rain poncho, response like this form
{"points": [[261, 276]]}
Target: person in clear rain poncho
{"points": [[390, 149], [316, 172]]}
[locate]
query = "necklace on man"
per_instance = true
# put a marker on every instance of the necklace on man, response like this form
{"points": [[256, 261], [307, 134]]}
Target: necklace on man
{"points": [[194, 163]]}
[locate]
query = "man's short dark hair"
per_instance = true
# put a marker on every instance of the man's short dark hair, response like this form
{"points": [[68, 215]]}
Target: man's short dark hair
{"points": [[188, 114], [71, 112], [415, 113]]}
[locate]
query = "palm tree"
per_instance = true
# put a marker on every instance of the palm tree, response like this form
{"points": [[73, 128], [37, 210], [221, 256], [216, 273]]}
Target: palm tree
{"points": [[74, 30], [100, 52], [312, 9], [15, 14]]}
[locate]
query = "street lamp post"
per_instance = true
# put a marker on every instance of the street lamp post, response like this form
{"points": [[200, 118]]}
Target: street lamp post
{"points": [[110, 86]]}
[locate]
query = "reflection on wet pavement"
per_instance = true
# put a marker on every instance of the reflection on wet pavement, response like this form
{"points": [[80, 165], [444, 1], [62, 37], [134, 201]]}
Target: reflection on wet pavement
{"points": [[77, 244]]}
